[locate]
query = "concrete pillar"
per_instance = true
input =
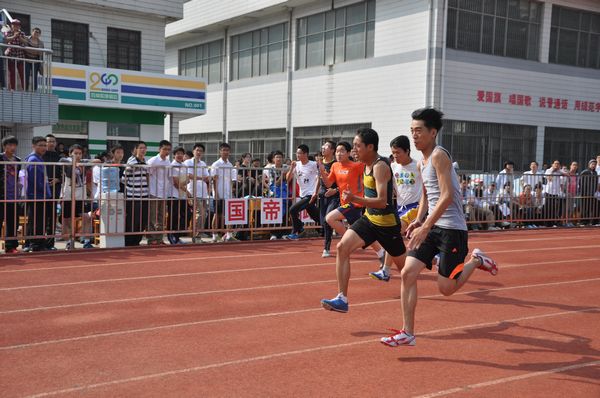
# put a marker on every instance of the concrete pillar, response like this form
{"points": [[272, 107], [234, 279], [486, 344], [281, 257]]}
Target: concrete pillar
{"points": [[539, 145]]}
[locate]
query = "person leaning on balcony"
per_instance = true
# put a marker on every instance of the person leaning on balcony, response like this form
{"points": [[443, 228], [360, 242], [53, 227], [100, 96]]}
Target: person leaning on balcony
{"points": [[16, 37], [36, 56], [9, 193]]}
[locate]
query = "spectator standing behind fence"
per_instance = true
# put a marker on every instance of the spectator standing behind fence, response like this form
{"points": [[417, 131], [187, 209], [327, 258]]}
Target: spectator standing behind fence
{"points": [[37, 193], [54, 173], [506, 174], [532, 176], [553, 191], [74, 188], [178, 210], [223, 174], [588, 184], [16, 37], [306, 174], [277, 186], [160, 191], [527, 206], [136, 195], [33, 68], [199, 181], [572, 208], [9, 193]]}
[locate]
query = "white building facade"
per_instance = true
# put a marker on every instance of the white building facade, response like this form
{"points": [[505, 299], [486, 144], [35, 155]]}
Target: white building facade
{"points": [[517, 79]]}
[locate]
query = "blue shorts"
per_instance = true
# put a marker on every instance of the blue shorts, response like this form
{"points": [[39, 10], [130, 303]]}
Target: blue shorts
{"points": [[351, 212]]}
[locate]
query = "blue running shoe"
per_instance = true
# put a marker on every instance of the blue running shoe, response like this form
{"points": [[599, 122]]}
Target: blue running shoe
{"points": [[87, 244], [293, 237], [380, 275], [335, 304]]}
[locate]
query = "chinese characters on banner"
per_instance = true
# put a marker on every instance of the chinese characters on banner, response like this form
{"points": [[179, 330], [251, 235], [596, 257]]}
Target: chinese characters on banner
{"points": [[236, 211], [517, 99], [271, 211]]}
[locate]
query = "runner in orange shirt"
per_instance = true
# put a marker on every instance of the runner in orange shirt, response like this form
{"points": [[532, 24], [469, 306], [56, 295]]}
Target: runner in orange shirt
{"points": [[347, 175]]}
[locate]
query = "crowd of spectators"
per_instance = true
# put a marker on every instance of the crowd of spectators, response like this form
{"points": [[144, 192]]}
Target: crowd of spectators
{"points": [[556, 195], [176, 192]]}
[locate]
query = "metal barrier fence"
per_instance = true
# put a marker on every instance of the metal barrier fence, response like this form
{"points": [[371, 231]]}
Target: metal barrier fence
{"points": [[115, 204], [25, 68]]}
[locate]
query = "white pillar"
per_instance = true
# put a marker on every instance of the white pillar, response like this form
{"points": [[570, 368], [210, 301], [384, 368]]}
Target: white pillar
{"points": [[97, 137], [539, 145], [545, 32]]}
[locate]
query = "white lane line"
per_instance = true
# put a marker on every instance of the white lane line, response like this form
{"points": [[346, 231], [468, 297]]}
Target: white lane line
{"points": [[110, 280], [163, 260], [473, 241], [272, 314], [287, 354], [509, 379], [188, 294]]}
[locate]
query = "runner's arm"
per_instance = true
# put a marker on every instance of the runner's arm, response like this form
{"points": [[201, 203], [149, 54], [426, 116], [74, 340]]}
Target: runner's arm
{"points": [[382, 174], [443, 167]]}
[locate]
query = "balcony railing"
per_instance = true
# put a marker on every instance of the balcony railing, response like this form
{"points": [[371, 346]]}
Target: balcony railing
{"points": [[19, 71]]}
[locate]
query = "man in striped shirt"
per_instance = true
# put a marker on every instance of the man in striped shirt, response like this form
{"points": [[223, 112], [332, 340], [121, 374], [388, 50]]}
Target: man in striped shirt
{"points": [[136, 191]]}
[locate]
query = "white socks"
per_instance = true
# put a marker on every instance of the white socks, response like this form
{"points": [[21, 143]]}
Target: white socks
{"points": [[386, 269], [344, 298], [380, 253]]}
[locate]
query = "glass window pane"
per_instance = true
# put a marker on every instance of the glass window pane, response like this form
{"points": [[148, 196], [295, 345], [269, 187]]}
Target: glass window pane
{"points": [[330, 20], [356, 14], [594, 60], [301, 53], [314, 50], [214, 70], [315, 23], [264, 36], [340, 18], [371, 10], [329, 47], [245, 41], [569, 18], [451, 31], [596, 23], [276, 58], [472, 5], [276, 33], [245, 64], [501, 7], [469, 26], [582, 56], [585, 21], [567, 47], [256, 38], [534, 43], [355, 42], [301, 27], [256, 61], [234, 66], [516, 39], [553, 43], [489, 6], [263, 60], [370, 39], [234, 44], [487, 41], [499, 34], [340, 55]]}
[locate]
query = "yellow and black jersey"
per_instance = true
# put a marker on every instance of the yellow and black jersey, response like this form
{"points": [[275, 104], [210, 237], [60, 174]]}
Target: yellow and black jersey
{"points": [[388, 216]]}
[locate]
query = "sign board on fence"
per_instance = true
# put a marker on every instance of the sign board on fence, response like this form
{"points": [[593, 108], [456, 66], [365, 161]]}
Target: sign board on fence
{"points": [[236, 211], [271, 211]]}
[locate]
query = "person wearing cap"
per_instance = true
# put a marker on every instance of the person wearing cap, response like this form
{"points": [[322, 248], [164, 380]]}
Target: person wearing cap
{"points": [[16, 37], [588, 183]]}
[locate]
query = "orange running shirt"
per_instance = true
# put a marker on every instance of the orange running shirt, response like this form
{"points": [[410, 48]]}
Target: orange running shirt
{"points": [[348, 176]]}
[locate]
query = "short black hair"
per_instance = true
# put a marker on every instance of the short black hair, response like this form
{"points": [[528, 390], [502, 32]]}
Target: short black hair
{"points": [[224, 145], [137, 144], [401, 142], [116, 148], [277, 152], [178, 149], [270, 157], [199, 145], [331, 144], [255, 160], [50, 136], [303, 148], [536, 163], [368, 136], [431, 117], [508, 162], [37, 138], [189, 154], [75, 146], [346, 145], [9, 139], [163, 143]]}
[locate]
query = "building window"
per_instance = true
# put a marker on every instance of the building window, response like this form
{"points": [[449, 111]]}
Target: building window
{"points": [[336, 36], [210, 140], [483, 147], [575, 38], [25, 21], [568, 145], [258, 53], [124, 49], [70, 42], [205, 60], [509, 28], [259, 143], [314, 136]]}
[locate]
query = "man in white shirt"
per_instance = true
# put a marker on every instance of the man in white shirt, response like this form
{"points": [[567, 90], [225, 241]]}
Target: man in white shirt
{"points": [[554, 193], [198, 187], [533, 176], [506, 174], [178, 209], [223, 174], [160, 190], [306, 173]]}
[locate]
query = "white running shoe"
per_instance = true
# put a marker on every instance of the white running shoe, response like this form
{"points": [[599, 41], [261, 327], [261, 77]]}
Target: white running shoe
{"points": [[400, 337], [273, 237], [487, 264], [326, 254]]}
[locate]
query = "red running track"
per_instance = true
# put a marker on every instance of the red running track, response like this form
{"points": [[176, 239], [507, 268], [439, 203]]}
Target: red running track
{"points": [[243, 320]]}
